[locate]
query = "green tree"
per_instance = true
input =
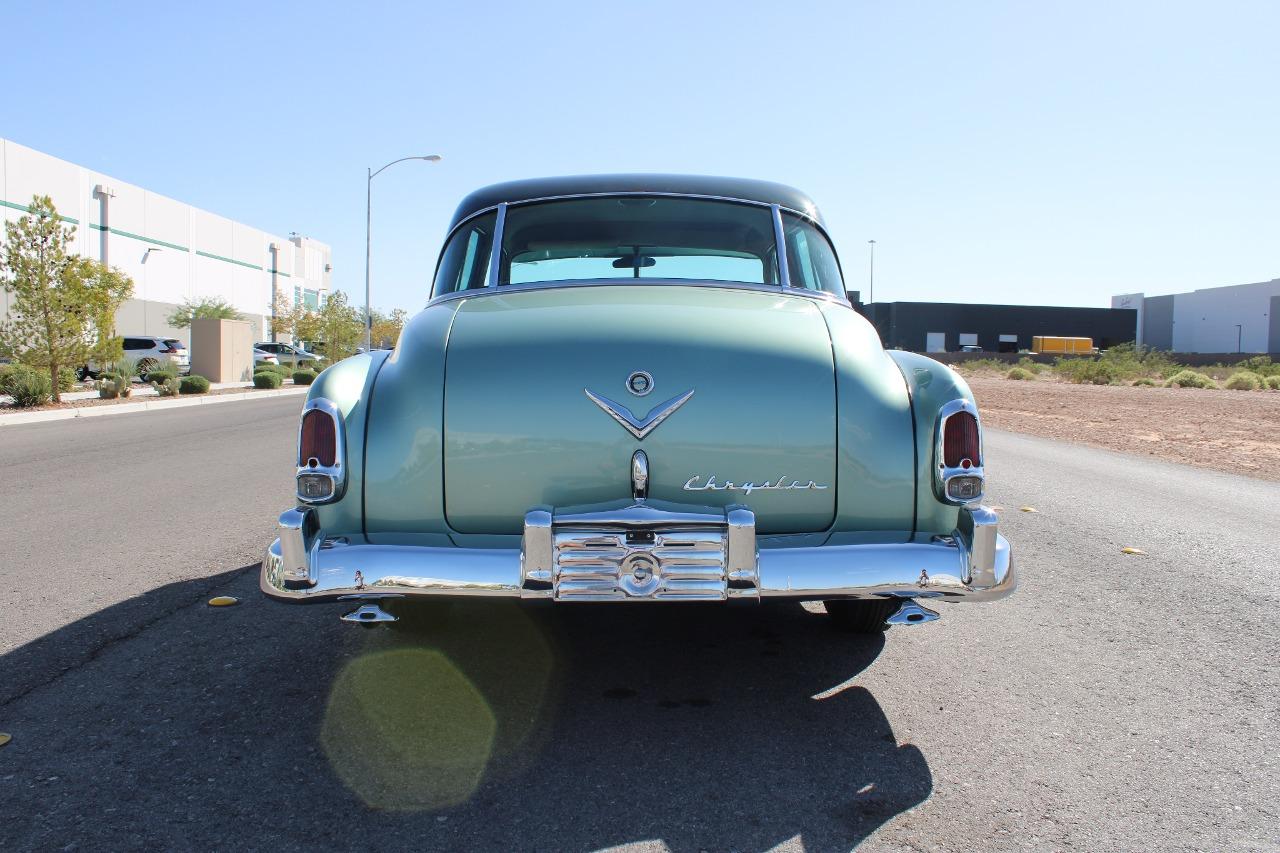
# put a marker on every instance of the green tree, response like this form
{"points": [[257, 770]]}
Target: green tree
{"points": [[63, 306], [340, 326], [386, 330], [210, 308]]}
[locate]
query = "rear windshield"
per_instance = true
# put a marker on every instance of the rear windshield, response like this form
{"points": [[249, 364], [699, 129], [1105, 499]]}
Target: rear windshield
{"points": [[638, 237], [174, 344]]}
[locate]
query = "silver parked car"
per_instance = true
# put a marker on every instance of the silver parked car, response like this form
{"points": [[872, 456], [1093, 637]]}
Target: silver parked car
{"points": [[289, 354]]}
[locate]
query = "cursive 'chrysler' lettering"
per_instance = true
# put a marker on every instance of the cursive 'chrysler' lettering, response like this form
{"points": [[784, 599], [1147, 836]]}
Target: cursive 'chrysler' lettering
{"points": [[779, 485]]}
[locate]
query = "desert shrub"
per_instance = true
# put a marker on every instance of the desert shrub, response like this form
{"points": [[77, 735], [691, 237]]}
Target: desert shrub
{"points": [[268, 367], [267, 379], [1273, 382], [67, 379], [979, 365], [193, 385], [303, 377], [1261, 365], [1243, 381], [1144, 382], [28, 387], [116, 381], [1190, 379], [161, 372], [1030, 366], [1086, 371], [304, 364], [1019, 373], [9, 373], [169, 386]]}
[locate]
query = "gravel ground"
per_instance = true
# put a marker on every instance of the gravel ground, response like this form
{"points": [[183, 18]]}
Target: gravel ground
{"points": [[1233, 431]]}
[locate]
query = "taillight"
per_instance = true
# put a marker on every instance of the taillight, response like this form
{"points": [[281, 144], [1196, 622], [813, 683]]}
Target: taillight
{"points": [[169, 351], [960, 447], [319, 440]]}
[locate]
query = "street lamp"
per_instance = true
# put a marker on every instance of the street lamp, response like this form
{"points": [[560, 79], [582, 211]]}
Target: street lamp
{"points": [[368, 238], [871, 283]]}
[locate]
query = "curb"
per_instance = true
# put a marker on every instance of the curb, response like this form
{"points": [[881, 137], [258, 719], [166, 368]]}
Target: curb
{"points": [[157, 404]]}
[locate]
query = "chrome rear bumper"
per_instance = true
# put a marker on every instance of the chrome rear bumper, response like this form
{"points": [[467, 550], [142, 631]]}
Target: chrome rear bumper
{"points": [[642, 552]]}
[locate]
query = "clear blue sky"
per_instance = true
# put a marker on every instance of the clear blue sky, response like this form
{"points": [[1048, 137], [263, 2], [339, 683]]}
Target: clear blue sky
{"points": [[997, 151]]}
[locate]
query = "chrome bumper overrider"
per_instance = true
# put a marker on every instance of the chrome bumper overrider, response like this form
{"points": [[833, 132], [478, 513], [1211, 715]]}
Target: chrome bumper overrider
{"points": [[641, 552]]}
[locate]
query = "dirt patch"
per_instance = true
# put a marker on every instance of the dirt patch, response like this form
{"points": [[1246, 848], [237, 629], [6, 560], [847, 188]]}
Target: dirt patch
{"points": [[1233, 431]]}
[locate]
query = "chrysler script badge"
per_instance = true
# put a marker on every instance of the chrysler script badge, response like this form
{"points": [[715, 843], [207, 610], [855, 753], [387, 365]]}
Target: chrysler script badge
{"points": [[639, 427]]}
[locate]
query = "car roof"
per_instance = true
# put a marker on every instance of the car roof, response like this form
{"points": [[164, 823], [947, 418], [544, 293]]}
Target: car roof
{"points": [[746, 189]]}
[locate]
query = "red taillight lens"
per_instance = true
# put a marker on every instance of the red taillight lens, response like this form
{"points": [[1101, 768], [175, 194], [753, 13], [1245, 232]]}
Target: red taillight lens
{"points": [[960, 441], [319, 439], [169, 351]]}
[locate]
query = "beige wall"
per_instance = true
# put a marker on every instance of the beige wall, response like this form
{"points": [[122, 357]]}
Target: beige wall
{"points": [[222, 350]]}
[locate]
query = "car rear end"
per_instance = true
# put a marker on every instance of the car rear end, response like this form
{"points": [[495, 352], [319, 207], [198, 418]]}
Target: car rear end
{"points": [[175, 351]]}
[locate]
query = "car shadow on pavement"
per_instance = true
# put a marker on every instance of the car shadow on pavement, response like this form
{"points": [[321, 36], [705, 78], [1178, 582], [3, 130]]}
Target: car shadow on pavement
{"points": [[479, 726]]}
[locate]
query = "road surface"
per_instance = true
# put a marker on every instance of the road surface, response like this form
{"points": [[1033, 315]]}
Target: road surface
{"points": [[1114, 702]]}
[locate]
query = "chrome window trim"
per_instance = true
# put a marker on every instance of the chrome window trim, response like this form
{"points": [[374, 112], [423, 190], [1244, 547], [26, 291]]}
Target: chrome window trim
{"points": [[820, 295], [941, 473], [780, 247], [495, 253], [501, 210], [337, 472]]}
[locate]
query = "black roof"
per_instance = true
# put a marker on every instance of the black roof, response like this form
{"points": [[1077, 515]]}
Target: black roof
{"points": [[534, 188]]}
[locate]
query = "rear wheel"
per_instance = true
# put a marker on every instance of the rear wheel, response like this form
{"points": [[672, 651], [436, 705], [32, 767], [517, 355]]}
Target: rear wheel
{"points": [[862, 617], [145, 366]]}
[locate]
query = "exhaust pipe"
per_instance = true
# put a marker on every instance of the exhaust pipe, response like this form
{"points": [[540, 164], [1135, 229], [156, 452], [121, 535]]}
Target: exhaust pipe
{"points": [[368, 615], [911, 613]]}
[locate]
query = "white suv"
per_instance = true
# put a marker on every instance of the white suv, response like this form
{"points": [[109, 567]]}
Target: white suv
{"points": [[147, 353]]}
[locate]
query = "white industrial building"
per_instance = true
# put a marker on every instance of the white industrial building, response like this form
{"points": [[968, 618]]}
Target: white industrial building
{"points": [[1236, 318], [172, 251]]}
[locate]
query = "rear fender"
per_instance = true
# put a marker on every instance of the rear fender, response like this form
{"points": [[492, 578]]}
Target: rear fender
{"points": [[932, 385]]}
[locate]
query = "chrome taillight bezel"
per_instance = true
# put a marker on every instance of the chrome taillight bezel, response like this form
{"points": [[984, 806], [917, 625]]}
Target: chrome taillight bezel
{"points": [[337, 472], [942, 473]]}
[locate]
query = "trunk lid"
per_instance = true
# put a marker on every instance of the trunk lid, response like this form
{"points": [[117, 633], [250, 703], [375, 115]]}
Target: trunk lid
{"points": [[521, 431]]}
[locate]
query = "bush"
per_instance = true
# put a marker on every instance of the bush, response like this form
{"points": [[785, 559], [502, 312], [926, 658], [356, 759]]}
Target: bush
{"points": [[303, 377], [1273, 382], [1144, 382], [268, 367], [169, 386], [161, 373], [304, 364], [1261, 365], [116, 381], [1190, 379], [1029, 365], [67, 379], [28, 387], [267, 379], [1244, 381], [193, 385], [1087, 371], [1019, 373]]}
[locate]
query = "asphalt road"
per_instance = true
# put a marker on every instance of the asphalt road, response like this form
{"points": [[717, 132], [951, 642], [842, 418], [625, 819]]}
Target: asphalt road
{"points": [[1115, 702]]}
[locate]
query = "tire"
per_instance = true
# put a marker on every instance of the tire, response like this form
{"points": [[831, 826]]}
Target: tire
{"points": [[862, 617], [146, 366]]}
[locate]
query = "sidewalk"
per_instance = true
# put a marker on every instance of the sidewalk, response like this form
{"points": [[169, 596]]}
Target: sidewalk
{"points": [[153, 402]]}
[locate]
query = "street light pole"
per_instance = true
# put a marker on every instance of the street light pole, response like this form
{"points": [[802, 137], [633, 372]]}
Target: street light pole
{"points": [[871, 284], [368, 237]]}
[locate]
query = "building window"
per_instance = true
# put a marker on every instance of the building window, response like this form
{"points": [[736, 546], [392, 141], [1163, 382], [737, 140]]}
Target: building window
{"points": [[935, 341], [311, 298]]}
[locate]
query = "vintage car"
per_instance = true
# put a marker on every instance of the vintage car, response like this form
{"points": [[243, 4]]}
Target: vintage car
{"points": [[640, 388]]}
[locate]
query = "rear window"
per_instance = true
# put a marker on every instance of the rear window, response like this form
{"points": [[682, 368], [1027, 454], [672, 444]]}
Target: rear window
{"points": [[174, 344], [637, 238]]}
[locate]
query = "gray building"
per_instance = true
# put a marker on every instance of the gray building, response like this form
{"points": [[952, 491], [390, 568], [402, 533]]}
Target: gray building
{"points": [[948, 326], [1236, 318]]}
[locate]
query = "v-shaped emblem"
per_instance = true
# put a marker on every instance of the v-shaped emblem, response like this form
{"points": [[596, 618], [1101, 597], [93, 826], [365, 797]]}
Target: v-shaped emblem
{"points": [[640, 427]]}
